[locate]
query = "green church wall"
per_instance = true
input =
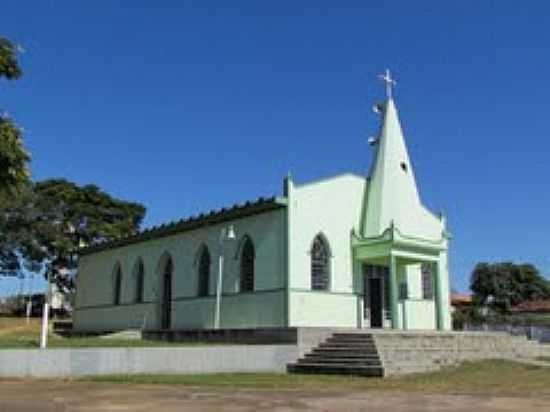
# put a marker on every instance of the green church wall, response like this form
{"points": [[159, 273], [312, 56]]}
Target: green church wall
{"points": [[240, 310], [95, 279]]}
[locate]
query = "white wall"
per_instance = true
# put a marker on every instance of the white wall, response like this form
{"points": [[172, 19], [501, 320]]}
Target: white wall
{"points": [[332, 207]]}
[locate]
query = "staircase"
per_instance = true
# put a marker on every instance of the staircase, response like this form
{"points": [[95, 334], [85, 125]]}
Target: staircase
{"points": [[386, 353], [342, 354]]}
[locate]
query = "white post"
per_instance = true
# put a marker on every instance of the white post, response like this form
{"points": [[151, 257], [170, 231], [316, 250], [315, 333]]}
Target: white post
{"points": [[44, 330], [45, 315], [219, 292], [227, 233], [28, 309]]}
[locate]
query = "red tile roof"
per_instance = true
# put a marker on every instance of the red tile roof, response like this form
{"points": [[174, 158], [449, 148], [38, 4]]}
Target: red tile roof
{"points": [[460, 299], [540, 306]]}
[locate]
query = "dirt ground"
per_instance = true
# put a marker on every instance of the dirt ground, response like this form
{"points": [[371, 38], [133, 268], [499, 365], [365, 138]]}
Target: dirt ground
{"points": [[57, 396]]}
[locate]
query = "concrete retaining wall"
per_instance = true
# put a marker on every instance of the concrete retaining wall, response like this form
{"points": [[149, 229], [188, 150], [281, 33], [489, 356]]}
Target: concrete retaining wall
{"points": [[55, 363], [539, 333]]}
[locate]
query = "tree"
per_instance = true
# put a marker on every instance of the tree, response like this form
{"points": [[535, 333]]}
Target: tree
{"points": [[9, 66], [14, 173], [49, 223], [43, 224], [505, 284]]}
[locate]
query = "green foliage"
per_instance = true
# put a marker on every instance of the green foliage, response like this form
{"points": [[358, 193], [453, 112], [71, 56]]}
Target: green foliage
{"points": [[468, 315], [45, 226], [13, 156], [93, 214], [505, 284], [13, 306], [9, 66], [14, 173]]}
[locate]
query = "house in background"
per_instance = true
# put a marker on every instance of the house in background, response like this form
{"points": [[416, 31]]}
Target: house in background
{"points": [[535, 308], [347, 251], [460, 301]]}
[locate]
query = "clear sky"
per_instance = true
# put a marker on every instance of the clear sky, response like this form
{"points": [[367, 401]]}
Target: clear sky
{"points": [[187, 106]]}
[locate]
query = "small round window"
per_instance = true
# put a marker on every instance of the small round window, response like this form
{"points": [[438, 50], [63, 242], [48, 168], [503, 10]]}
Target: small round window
{"points": [[404, 167]]}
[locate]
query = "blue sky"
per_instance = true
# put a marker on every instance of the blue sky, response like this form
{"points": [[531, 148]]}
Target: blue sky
{"points": [[192, 105]]}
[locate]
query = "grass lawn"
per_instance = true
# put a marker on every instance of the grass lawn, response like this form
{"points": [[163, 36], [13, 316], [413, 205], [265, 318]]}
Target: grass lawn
{"points": [[486, 377], [15, 333]]}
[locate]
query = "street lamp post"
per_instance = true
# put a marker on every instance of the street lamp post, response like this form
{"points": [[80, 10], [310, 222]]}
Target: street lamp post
{"points": [[227, 233]]}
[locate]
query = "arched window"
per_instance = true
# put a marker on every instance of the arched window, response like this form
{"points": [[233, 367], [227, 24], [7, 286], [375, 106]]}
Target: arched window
{"points": [[168, 268], [204, 272], [117, 285], [140, 281], [320, 263], [247, 266]]}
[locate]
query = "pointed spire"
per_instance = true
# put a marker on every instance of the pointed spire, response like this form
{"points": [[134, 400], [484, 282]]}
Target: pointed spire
{"points": [[392, 193]]}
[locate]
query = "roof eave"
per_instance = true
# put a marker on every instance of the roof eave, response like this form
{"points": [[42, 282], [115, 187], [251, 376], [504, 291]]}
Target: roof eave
{"points": [[214, 217]]}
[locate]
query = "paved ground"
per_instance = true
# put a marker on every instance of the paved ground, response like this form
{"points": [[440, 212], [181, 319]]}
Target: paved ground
{"points": [[48, 396]]}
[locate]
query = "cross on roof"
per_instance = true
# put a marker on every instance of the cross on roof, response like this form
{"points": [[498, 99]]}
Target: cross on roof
{"points": [[390, 83]]}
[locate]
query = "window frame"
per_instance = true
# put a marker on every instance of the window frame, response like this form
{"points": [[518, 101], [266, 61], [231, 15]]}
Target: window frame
{"points": [[247, 274], [320, 281], [203, 278], [140, 282], [427, 272]]}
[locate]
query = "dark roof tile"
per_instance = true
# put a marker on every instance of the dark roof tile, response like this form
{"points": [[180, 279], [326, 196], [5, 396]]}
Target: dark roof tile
{"points": [[213, 217]]}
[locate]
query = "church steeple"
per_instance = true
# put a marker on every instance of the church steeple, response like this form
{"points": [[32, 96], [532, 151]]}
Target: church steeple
{"points": [[393, 197]]}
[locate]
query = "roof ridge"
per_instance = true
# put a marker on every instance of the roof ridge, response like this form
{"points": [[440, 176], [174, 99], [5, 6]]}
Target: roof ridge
{"points": [[214, 216]]}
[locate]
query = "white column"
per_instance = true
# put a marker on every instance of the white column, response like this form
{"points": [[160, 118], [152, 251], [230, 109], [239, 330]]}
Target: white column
{"points": [[439, 304], [396, 320]]}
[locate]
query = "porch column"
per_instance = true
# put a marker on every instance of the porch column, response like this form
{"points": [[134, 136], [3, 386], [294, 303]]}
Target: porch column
{"points": [[439, 309], [395, 318]]}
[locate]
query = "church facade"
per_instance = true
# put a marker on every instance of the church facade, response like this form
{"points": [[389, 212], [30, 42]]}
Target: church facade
{"points": [[348, 251]]}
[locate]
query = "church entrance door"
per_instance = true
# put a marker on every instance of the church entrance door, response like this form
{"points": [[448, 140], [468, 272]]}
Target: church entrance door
{"points": [[375, 299], [374, 295]]}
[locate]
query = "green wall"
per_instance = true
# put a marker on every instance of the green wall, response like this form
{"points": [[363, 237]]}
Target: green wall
{"points": [[95, 311]]}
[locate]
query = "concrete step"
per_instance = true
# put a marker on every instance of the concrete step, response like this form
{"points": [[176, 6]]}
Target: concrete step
{"points": [[341, 355], [370, 362], [340, 342], [344, 354], [336, 369], [130, 334], [358, 335], [348, 346], [350, 339], [358, 351]]}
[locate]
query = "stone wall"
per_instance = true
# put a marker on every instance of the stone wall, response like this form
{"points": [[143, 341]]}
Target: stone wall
{"points": [[403, 352]]}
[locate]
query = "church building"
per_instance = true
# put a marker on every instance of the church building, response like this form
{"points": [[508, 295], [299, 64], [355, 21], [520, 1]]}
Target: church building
{"points": [[348, 251]]}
